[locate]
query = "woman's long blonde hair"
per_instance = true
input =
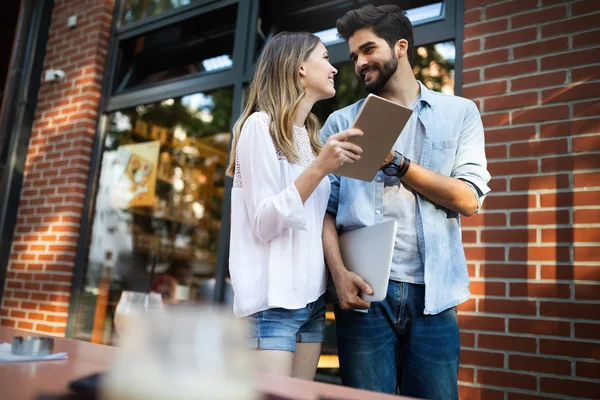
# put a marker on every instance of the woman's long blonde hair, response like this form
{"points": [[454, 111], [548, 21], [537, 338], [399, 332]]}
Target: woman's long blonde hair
{"points": [[277, 90]]}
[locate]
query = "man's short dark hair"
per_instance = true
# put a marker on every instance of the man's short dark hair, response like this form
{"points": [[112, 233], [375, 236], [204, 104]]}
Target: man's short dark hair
{"points": [[388, 22]]}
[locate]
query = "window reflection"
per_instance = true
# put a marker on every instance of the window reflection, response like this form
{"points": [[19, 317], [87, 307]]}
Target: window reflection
{"points": [[135, 10], [160, 193]]}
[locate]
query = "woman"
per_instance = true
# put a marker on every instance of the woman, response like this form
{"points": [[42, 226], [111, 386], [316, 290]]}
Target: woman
{"points": [[279, 198]]}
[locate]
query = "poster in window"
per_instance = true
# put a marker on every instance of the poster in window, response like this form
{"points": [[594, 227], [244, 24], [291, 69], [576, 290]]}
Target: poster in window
{"points": [[138, 179]]}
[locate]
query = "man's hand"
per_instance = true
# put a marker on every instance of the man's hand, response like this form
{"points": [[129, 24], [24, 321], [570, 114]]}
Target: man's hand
{"points": [[348, 286], [388, 158]]}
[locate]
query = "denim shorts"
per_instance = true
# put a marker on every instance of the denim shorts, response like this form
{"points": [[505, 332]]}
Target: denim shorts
{"points": [[280, 328]]}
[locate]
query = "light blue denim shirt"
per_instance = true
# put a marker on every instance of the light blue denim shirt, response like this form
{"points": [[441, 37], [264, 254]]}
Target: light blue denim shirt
{"points": [[453, 146]]}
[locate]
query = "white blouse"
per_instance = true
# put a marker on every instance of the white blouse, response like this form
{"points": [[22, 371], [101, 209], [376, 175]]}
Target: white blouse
{"points": [[276, 252]]}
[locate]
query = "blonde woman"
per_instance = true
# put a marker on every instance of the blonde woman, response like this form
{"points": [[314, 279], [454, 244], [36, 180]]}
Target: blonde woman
{"points": [[279, 198]]}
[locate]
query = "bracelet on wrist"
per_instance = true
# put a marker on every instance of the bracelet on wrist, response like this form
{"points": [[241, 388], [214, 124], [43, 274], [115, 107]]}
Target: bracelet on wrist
{"points": [[403, 168]]}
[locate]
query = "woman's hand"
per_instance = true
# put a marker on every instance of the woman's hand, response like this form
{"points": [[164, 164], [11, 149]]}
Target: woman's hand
{"points": [[338, 150]]}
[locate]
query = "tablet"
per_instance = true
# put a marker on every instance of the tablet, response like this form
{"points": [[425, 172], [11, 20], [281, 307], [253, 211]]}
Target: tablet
{"points": [[368, 252], [382, 122]]}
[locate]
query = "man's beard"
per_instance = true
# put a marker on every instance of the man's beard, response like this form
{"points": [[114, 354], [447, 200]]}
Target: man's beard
{"points": [[384, 73]]}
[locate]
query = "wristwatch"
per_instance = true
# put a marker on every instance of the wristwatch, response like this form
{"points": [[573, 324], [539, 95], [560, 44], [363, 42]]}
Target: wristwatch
{"points": [[393, 167]]}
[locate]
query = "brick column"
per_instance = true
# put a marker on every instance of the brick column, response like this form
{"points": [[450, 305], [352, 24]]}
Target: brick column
{"points": [[38, 284], [532, 327]]}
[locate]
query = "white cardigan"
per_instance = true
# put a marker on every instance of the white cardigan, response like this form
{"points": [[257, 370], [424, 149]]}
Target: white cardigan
{"points": [[276, 252]]}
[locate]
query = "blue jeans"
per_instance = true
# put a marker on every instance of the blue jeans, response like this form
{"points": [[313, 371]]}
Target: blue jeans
{"points": [[395, 348], [281, 329]]}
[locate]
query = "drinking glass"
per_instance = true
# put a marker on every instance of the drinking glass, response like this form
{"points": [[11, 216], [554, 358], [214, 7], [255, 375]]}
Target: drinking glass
{"points": [[131, 303], [185, 352]]}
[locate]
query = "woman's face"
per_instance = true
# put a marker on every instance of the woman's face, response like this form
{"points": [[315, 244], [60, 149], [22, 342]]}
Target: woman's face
{"points": [[318, 74]]}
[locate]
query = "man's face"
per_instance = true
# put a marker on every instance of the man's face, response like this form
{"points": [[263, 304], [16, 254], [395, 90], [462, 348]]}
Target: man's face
{"points": [[374, 61]]}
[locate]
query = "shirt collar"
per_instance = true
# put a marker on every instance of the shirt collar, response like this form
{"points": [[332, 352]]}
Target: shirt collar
{"points": [[426, 94]]}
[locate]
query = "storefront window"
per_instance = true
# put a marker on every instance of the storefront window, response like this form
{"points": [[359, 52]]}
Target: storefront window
{"points": [[135, 10], [201, 44], [160, 195]]}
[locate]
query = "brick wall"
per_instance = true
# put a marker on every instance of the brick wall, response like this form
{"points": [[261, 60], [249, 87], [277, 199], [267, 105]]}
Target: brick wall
{"points": [[39, 275], [532, 328]]}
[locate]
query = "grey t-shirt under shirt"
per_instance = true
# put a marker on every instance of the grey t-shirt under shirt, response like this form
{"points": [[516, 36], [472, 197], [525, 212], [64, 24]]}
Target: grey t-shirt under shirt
{"points": [[399, 204]]}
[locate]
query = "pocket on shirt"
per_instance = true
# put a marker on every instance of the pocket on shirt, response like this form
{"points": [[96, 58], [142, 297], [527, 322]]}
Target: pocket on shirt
{"points": [[443, 154]]}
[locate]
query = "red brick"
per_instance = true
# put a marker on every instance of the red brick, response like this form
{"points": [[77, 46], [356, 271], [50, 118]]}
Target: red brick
{"points": [[59, 309], [467, 306], [570, 272], [509, 134], [511, 7], [540, 114], [486, 27], [571, 128], [479, 288], [586, 109], [586, 217], [571, 235], [535, 148], [539, 17], [508, 235], [571, 387], [587, 369], [539, 253], [24, 325], [510, 202], [570, 163], [481, 358], [540, 290], [486, 58], [586, 39], [508, 271], [507, 343], [584, 7], [484, 219], [498, 306], [571, 59], [510, 38], [498, 119], [586, 144], [481, 323], [575, 92], [483, 90], [477, 3], [469, 237], [511, 101], [498, 168], [509, 69], [570, 348], [466, 374], [538, 81], [472, 16], [539, 326], [467, 339], [586, 254], [498, 185], [8, 322], [540, 182], [507, 379], [587, 292], [479, 393], [485, 253], [471, 46], [539, 364], [469, 77], [570, 310], [571, 25]]}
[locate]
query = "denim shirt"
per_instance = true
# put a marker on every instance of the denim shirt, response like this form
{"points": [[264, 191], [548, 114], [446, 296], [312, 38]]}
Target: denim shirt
{"points": [[453, 146]]}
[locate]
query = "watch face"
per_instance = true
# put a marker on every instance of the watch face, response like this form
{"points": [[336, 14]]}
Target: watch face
{"points": [[390, 170]]}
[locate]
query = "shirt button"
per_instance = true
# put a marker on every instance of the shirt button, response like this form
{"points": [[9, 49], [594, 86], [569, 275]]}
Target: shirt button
{"points": [[378, 212], [378, 179]]}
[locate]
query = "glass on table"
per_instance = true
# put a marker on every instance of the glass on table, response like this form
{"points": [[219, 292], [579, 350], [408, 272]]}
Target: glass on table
{"points": [[185, 352], [131, 303]]}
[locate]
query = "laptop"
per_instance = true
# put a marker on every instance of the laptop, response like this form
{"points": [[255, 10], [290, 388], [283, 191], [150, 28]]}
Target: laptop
{"points": [[368, 252]]}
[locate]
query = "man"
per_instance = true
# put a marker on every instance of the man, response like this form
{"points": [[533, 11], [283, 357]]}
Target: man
{"points": [[408, 343]]}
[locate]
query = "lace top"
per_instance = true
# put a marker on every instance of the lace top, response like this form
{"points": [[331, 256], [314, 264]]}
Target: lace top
{"points": [[301, 141]]}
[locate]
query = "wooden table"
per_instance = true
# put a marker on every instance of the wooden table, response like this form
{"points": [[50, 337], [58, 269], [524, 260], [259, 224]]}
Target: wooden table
{"points": [[26, 380]]}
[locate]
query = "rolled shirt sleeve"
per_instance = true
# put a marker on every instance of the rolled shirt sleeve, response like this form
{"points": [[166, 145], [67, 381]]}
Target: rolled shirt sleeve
{"points": [[271, 208], [470, 163]]}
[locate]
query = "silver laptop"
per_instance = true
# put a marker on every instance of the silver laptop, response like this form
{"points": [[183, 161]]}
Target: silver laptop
{"points": [[368, 252]]}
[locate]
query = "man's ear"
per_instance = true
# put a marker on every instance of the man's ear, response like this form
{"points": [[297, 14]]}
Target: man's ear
{"points": [[401, 47], [302, 71]]}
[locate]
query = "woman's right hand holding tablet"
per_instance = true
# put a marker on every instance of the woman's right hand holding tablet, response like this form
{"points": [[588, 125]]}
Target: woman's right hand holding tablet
{"points": [[338, 150]]}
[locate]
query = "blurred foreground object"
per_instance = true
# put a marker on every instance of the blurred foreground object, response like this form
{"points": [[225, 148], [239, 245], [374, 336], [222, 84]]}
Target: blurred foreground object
{"points": [[182, 353]]}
